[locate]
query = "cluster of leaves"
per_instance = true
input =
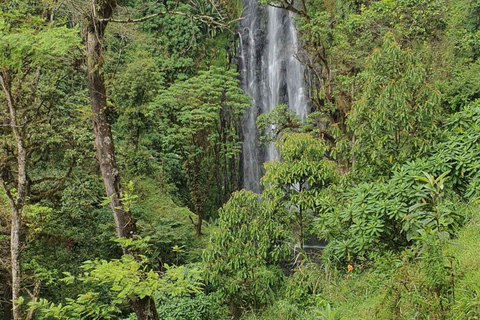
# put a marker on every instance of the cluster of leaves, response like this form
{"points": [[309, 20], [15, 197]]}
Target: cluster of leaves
{"points": [[374, 217], [117, 282], [394, 119], [244, 250], [200, 118], [295, 182]]}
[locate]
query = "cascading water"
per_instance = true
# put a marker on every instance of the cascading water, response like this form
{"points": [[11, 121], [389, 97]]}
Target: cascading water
{"points": [[271, 75]]}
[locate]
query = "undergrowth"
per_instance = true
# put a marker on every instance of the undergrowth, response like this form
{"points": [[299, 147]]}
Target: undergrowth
{"points": [[429, 281]]}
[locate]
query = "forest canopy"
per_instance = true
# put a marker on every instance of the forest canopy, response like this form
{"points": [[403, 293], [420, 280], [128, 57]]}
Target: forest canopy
{"points": [[121, 163]]}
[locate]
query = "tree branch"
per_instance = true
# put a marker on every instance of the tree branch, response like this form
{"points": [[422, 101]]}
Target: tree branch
{"points": [[7, 192], [61, 182], [34, 296], [285, 5], [22, 154], [202, 18]]}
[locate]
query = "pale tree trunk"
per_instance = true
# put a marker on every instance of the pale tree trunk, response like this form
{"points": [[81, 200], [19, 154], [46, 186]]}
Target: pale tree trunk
{"points": [[16, 204], [124, 223], [15, 256]]}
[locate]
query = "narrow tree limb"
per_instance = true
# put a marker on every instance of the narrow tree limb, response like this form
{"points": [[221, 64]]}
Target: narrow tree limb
{"points": [[34, 296], [202, 18], [291, 8], [59, 186]]}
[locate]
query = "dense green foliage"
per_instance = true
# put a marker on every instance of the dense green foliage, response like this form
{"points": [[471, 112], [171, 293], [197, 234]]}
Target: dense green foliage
{"points": [[245, 248], [385, 170], [199, 120], [295, 183]]}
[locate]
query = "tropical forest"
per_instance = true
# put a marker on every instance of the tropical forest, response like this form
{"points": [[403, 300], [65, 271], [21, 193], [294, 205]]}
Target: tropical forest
{"points": [[239, 159]]}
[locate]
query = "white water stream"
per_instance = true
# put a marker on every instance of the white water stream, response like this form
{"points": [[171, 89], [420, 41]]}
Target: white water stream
{"points": [[271, 75]]}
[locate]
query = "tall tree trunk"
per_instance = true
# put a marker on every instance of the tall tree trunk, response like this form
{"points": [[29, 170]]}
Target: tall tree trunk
{"points": [[16, 204], [300, 221], [124, 223], [145, 309], [15, 257]]}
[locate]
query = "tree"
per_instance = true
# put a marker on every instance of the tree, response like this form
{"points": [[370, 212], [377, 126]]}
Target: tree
{"points": [[100, 11], [296, 180], [202, 116], [241, 260], [28, 45], [393, 118]]}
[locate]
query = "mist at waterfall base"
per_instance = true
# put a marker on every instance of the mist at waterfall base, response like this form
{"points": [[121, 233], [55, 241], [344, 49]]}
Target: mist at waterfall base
{"points": [[272, 75]]}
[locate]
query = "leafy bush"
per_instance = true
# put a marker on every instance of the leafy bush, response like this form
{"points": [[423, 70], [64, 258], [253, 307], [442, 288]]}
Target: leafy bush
{"points": [[387, 215], [394, 119], [241, 260], [294, 182], [198, 307], [110, 285]]}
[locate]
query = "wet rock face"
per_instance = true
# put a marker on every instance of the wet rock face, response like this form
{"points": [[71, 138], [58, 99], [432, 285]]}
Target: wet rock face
{"points": [[271, 75]]}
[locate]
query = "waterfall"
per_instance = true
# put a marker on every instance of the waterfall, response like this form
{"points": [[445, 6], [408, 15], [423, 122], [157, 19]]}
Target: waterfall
{"points": [[271, 75]]}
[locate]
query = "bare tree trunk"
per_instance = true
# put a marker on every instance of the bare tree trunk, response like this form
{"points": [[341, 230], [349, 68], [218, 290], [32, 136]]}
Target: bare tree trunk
{"points": [[15, 256], [300, 218], [16, 205], [124, 223]]}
